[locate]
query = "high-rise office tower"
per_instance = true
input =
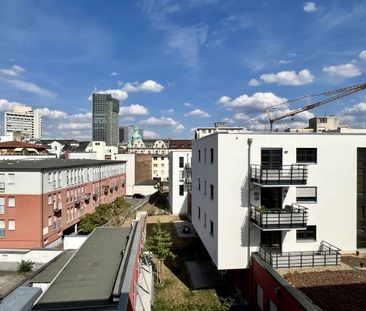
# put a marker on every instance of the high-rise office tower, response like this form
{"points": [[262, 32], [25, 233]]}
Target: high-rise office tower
{"points": [[105, 119], [24, 120]]}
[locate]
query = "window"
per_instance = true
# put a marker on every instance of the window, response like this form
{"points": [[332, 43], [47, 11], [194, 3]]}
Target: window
{"points": [[11, 178], [181, 190], [155, 158], [11, 202], [2, 205], [306, 194], [211, 155], [199, 213], [306, 155], [211, 192], [181, 162], [205, 155], [11, 224], [50, 221], [49, 199], [204, 220], [49, 177], [199, 183], [308, 234], [211, 228], [2, 228], [322, 120], [155, 165], [199, 155], [181, 175], [2, 182], [205, 188]]}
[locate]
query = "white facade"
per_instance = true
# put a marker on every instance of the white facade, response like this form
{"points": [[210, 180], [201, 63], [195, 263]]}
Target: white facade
{"points": [[160, 166], [221, 218], [180, 180], [130, 159], [22, 119], [102, 151]]}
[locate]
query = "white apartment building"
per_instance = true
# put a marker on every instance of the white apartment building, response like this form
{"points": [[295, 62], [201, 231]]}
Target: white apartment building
{"points": [[160, 166], [218, 128], [24, 120], [180, 181], [303, 189]]}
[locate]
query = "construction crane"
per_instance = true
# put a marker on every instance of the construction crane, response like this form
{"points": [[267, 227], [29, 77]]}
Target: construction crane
{"points": [[332, 96]]}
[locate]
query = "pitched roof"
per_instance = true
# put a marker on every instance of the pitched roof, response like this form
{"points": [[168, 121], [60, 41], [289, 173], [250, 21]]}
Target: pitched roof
{"points": [[20, 144]]}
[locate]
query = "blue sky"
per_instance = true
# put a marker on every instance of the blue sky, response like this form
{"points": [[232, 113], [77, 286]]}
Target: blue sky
{"points": [[177, 65]]}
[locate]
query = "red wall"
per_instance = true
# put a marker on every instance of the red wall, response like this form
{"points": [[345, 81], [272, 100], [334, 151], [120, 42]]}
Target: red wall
{"points": [[283, 299]]}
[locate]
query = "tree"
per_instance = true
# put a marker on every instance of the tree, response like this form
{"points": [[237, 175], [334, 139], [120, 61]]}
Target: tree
{"points": [[160, 243]]}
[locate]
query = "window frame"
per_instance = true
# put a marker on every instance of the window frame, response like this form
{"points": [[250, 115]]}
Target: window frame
{"points": [[181, 190], [307, 235], [306, 156]]}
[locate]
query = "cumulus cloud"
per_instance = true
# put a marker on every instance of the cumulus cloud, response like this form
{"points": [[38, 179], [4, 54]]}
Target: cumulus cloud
{"points": [[354, 115], [355, 110], [346, 70], [253, 82], [197, 113], [163, 121], [53, 114], [116, 93], [74, 126], [147, 86], [188, 104], [14, 71], [114, 73], [309, 7], [288, 77], [362, 55], [133, 110], [168, 111], [6, 105], [257, 102]]}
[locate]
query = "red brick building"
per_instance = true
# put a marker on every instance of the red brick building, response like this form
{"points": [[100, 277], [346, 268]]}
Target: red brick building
{"points": [[41, 200]]}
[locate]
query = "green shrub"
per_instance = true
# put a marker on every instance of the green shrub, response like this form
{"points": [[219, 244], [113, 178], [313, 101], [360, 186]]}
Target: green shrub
{"points": [[25, 266]]}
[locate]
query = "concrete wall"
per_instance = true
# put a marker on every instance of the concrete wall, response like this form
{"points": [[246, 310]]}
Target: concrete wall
{"points": [[74, 241]]}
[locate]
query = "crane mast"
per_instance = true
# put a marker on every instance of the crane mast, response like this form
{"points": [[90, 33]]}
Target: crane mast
{"points": [[333, 95]]}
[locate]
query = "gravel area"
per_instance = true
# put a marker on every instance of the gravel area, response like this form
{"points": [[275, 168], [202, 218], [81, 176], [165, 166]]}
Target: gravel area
{"points": [[9, 279]]}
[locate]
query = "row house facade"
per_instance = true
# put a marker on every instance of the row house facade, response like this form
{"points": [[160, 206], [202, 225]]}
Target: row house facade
{"points": [[42, 200]]}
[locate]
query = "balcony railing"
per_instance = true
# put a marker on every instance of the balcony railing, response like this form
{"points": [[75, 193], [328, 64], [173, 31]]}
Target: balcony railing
{"points": [[291, 217], [327, 255], [296, 174], [188, 180], [188, 166]]}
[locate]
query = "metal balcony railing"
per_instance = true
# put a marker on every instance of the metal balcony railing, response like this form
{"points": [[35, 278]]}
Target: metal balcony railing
{"points": [[290, 217], [296, 174], [188, 166], [327, 255]]}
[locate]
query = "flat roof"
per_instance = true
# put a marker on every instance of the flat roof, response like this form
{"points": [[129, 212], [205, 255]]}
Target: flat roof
{"points": [[50, 163], [89, 278], [47, 274]]}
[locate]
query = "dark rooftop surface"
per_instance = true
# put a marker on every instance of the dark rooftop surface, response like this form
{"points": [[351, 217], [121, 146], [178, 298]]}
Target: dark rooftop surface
{"points": [[148, 182], [53, 268], [89, 277], [37, 165]]}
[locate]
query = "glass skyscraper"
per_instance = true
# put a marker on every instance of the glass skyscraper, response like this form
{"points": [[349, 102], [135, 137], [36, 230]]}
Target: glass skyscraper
{"points": [[105, 119]]}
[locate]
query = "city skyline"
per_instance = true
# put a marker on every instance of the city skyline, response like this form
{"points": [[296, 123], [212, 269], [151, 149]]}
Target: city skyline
{"points": [[179, 65]]}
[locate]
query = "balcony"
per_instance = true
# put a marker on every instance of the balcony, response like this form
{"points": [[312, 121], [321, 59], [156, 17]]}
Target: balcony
{"points": [[77, 202], [95, 194], [87, 197], [295, 174], [291, 217], [327, 255]]}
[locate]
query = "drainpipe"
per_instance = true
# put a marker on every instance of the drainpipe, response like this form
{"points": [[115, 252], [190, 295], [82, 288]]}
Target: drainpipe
{"points": [[249, 142]]}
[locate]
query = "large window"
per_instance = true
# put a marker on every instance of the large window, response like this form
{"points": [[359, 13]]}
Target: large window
{"points": [[306, 194], [306, 155], [309, 234]]}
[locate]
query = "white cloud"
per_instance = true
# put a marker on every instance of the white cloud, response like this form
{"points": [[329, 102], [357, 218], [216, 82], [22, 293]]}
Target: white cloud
{"points": [[188, 104], [241, 116], [114, 73], [53, 114], [150, 134], [283, 61], [74, 126], [355, 110], [354, 115], [163, 121], [257, 102], [14, 71], [133, 110], [346, 70], [6, 105], [309, 7], [288, 77], [147, 86], [253, 82], [29, 87], [362, 55], [197, 113], [116, 93]]}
